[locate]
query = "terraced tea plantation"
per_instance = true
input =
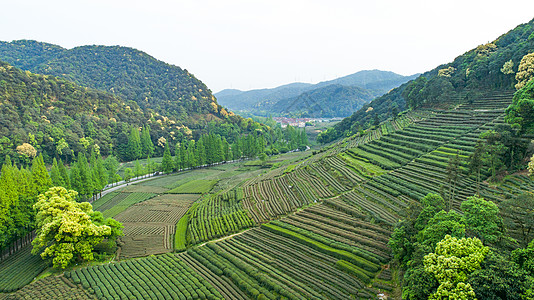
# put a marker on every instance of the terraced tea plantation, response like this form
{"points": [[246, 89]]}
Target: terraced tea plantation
{"points": [[20, 269], [149, 226], [313, 227], [161, 277]]}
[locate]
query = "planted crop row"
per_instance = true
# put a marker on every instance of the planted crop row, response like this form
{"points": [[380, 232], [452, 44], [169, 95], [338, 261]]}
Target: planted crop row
{"points": [[20, 269], [51, 287], [372, 208], [373, 248], [305, 272], [213, 217], [325, 245], [375, 159], [331, 182], [356, 222], [340, 167], [225, 286], [160, 277]]}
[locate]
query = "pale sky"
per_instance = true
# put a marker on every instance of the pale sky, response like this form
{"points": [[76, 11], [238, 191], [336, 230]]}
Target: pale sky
{"points": [[258, 44]]}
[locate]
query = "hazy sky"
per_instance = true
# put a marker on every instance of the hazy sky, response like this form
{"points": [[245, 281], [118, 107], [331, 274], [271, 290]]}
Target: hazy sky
{"points": [[256, 44]]}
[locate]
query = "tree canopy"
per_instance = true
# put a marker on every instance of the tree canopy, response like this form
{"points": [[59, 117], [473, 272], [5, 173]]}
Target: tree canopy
{"points": [[451, 263], [67, 230]]}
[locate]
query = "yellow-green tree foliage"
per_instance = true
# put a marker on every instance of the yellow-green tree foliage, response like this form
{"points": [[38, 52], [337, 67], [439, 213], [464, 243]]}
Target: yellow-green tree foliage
{"points": [[508, 67], [486, 49], [525, 71], [531, 166], [446, 72], [451, 263], [27, 150], [65, 229]]}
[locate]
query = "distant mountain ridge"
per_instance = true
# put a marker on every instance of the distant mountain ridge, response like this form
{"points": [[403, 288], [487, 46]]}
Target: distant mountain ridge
{"points": [[314, 97]]}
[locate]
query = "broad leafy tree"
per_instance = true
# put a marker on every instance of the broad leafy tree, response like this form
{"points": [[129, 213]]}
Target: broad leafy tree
{"points": [[482, 219], [65, 229], [451, 263]]}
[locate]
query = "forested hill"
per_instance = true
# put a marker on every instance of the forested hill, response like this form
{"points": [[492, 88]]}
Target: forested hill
{"points": [[296, 98], [60, 118], [333, 100], [492, 66], [244, 100], [125, 72]]}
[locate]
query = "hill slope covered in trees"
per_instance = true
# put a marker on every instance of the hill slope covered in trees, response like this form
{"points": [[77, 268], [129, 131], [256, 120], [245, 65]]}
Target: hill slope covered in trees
{"points": [[490, 66], [58, 117], [127, 73]]}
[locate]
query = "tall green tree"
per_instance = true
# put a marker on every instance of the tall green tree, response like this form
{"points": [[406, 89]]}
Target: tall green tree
{"points": [[451, 263], [138, 169], [166, 162], [499, 278], [134, 144], [55, 175], [518, 215], [482, 219], [111, 163], [147, 147], [8, 201], [178, 162], [476, 163], [128, 174], [64, 174], [101, 175], [494, 150], [40, 175]]}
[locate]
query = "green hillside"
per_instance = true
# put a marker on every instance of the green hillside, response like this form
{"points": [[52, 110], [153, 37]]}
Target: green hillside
{"points": [[54, 114], [466, 78], [130, 74]]}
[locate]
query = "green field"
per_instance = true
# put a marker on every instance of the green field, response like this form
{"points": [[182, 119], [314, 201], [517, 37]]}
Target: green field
{"points": [[198, 186]]}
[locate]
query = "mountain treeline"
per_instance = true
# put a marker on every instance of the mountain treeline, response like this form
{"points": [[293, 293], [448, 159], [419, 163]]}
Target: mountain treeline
{"points": [[19, 188], [125, 72], [94, 96], [53, 116], [494, 66], [331, 101]]}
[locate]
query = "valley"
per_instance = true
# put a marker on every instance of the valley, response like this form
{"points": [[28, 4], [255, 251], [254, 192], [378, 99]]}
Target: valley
{"points": [[314, 217], [424, 190]]}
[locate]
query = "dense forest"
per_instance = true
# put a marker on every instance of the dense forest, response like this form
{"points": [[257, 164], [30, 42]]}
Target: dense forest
{"points": [[125, 72], [43, 113], [171, 99], [494, 65]]}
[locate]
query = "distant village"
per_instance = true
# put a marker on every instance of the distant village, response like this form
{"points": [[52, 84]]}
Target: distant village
{"points": [[302, 122]]}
